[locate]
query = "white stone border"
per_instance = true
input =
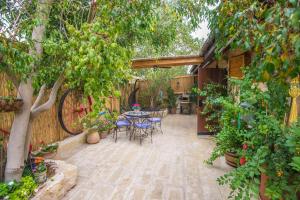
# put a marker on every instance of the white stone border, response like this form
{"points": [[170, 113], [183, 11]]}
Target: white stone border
{"points": [[57, 186]]}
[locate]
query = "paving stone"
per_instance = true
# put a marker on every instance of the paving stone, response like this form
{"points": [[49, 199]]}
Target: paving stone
{"points": [[172, 167]]}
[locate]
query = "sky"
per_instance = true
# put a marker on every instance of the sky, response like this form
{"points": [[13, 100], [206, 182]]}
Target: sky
{"points": [[202, 32]]}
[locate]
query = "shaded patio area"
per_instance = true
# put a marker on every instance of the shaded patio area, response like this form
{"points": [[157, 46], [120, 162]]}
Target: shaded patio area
{"points": [[170, 168]]}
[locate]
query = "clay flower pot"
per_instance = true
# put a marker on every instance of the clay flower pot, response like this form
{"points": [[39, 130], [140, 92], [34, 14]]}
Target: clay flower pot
{"points": [[92, 137], [103, 134]]}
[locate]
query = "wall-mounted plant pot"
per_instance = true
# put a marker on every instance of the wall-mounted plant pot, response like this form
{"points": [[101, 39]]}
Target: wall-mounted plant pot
{"points": [[231, 159], [10, 104], [92, 137]]}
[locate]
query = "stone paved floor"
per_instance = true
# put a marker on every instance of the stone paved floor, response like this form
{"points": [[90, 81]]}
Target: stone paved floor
{"points": [[170, 168]]}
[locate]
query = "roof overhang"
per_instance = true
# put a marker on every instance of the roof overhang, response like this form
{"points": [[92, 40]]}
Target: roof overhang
{"points": [[166, 62]]}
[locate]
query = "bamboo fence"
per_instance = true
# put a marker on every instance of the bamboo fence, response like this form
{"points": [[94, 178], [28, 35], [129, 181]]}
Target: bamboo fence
{"points": [[46, 127]]}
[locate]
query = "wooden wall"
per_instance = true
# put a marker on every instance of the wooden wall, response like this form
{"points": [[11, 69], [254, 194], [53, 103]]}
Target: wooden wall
{"points": [[46, 127], [236, 63], [183, 84]]}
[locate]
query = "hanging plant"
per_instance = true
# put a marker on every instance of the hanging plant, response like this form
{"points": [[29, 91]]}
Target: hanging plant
{"points": [[10, 104]]}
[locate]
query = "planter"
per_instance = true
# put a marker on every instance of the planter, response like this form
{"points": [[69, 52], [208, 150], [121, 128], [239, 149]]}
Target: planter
{"points": [[262, 188], [40, 177], [103, 134], [49, 155], [172, 110], [10, 105], [231, 159], [92, 137]]}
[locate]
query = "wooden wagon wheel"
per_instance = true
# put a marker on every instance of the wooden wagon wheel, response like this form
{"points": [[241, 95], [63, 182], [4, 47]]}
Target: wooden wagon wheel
{"points": [[71, 109]]}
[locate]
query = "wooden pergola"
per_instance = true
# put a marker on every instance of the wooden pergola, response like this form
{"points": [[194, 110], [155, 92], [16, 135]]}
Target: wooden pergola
{"points": [[166, 62]]}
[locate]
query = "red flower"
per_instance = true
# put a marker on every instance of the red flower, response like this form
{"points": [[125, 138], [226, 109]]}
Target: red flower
{"points": [[245, 146], [243, 160]]}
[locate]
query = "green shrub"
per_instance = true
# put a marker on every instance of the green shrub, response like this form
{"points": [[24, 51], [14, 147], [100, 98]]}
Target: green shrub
{"points": [[18, 190]]}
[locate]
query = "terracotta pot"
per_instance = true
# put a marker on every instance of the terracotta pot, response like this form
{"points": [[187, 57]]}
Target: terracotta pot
{"points": [[231, 159], [92, 137], [103, 134], [172, 110], [262, 187]]}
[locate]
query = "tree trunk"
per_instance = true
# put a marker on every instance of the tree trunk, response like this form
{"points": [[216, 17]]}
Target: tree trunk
{"points": [[15, 151], [19, 130]]}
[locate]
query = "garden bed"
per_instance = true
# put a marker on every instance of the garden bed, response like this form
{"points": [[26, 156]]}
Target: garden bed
{"points": [[63, 179]]}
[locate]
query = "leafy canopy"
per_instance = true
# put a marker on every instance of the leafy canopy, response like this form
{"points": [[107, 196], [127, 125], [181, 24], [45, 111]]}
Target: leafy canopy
{"points": [[91, 44]]}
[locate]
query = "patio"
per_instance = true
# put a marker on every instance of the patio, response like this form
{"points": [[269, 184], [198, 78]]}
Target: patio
{"points": [[170, 168]]}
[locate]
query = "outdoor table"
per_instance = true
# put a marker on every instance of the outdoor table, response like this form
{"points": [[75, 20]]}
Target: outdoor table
{"points": [[137, 114]]}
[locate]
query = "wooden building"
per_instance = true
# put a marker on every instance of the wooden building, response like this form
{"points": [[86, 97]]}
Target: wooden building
{"points": [[217, 71]]}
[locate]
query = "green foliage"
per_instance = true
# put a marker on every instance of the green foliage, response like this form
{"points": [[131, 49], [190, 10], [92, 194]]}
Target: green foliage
{"points": [[158, 81], [107, 121], [104, 121], [171, 98], [41, 167], [269, 146], [18, 190], [270, 29], [212, 111], [91, 46]]}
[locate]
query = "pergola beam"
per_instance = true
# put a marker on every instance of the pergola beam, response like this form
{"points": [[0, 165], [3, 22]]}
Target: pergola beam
{"points": [[166, 62]]}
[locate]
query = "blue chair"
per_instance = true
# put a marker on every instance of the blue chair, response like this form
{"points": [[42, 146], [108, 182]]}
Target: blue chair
{"points": [[122, 122], [142, 128], [156, 119]]}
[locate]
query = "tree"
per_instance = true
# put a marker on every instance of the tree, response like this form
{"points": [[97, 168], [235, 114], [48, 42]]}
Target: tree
{"points": [[84, 44]]}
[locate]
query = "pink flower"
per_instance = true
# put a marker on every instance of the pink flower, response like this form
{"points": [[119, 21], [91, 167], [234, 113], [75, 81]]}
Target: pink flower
{"points": [[136, 105]]}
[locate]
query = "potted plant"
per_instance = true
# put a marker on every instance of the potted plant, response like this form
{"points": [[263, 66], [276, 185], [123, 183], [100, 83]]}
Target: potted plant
{"points": [[92, 137], [10, 104], [213, 94], [136, 107], [47, 151], [106, 123], [90, 124], [40, 171], [268, 150], [171, 100]]}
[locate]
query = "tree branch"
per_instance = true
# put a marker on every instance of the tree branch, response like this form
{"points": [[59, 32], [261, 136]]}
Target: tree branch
{"points": [[52, 97], [39, 98]]}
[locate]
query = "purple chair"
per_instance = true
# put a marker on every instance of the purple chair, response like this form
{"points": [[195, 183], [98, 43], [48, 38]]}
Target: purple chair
{"points": [[142, 128], [156, 119], [122, 122]]}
